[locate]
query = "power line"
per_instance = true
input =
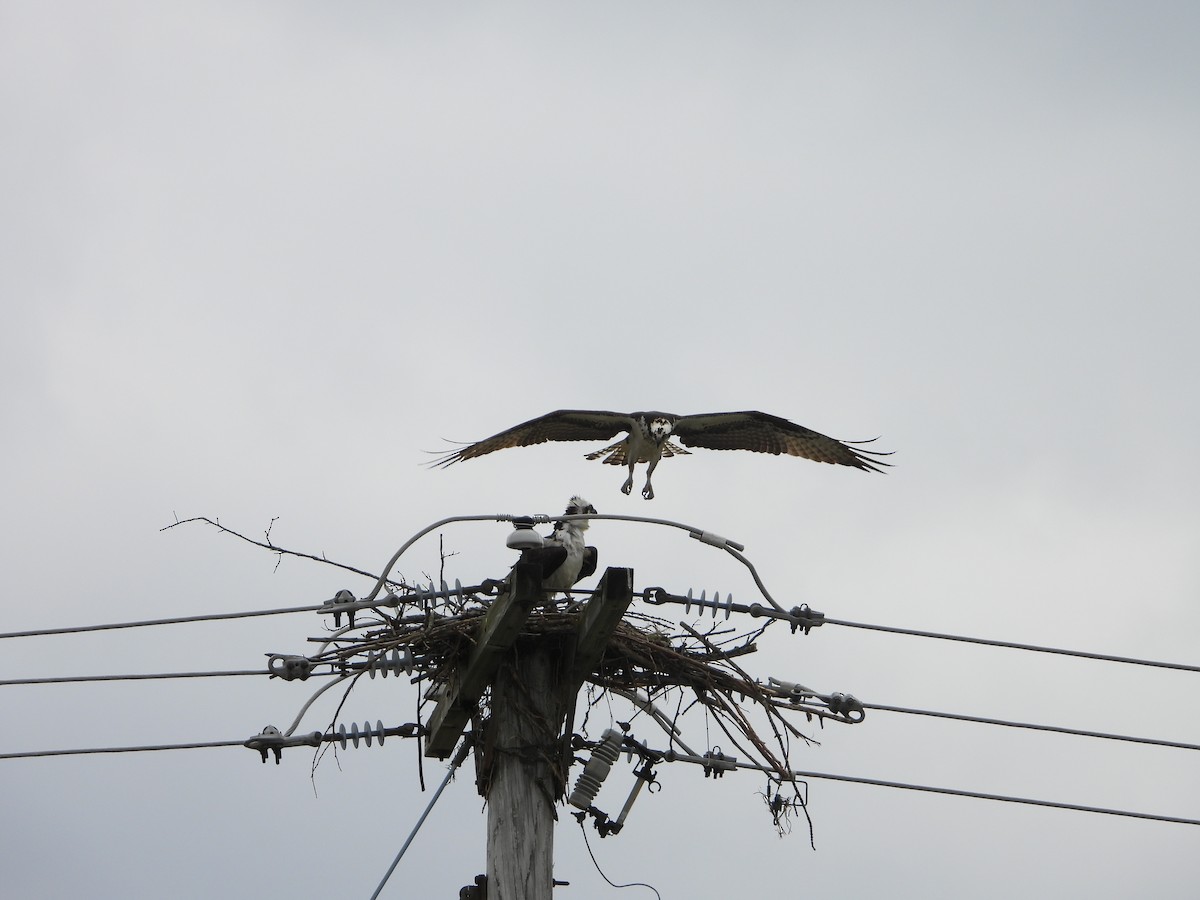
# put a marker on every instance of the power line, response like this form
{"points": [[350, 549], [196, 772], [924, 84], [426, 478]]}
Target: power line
{"points": [[805, 618], [811, 618], [1104, 657], [977, 795], [175, 620], [881, 707], [612, 883], [458, 760], [669, 756], [733, 763], [75, 679], [1031, 726], [203, 745], [268, 740], [335, 606]]}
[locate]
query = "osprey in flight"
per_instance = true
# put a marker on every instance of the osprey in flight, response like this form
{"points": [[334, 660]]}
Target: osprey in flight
{"points": [[564, 559], [648, 438]]}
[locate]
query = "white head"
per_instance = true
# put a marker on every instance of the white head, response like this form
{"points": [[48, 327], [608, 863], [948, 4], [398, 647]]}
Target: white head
{"points": [[578, 507], [660, 429]]}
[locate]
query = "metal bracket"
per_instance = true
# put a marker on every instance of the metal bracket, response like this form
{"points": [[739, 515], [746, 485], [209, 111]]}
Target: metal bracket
{"points": [[845, 707], [271, 740]]}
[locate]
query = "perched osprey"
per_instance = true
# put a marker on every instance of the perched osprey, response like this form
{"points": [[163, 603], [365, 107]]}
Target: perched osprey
{"points": [[648, 438], [564, 559]]}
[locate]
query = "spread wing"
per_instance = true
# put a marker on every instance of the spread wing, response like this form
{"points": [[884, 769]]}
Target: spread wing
{"points": [[561, 425], [763, 433]]}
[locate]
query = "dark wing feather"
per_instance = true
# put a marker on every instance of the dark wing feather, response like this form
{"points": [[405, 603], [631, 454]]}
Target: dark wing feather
{"points": [[764, 433], [590, 558], [549, 557], [560, 425]]}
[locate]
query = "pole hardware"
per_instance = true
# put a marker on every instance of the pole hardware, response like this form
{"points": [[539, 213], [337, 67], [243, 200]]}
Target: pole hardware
{"points": [[344, 601], [289, 667], [596, 769], [798, 617], [718, 763], [845, 707], [341, 599], [271, 740], [476, 891]]}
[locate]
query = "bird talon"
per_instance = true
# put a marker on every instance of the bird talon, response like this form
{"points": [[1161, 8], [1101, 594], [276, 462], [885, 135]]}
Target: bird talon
{"points": [[627, 487], [647, 492]]}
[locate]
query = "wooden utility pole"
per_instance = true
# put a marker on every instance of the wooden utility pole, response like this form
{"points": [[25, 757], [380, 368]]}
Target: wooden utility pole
{"points": [[494, 641], [534, 678], [524, 786], [531, 697]]}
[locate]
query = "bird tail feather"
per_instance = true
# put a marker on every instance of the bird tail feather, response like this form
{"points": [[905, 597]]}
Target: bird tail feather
{"points": [[616, 453], [672, 449]]}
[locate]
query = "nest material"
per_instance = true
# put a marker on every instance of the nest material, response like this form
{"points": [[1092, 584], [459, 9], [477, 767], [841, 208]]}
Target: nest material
{"points": [[639, 657]]}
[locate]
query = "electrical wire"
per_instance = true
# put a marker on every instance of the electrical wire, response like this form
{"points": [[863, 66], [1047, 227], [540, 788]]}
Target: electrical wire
{"points": [[612, 883], [322, 689], [669, 756], [643, 702], [1057, 729], [888, 629], [978, 795], [542, 519], [700, 534], [674, 756], [731, 547], [258, 742], [203, 745], [175, 620], [459, 757], [1103, 657], [75, 679]]}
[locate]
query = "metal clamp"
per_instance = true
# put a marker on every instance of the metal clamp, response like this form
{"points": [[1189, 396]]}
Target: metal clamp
{"points": [[289, 667], [716, 763], [341, 598], [846, 707], [805, 618], [271, 740]]}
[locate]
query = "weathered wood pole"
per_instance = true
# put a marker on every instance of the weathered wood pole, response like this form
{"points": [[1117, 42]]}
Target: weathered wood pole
{"points": [[533, 690], [526, 717]]}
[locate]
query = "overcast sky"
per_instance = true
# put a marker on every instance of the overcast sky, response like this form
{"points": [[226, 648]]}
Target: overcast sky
{"points": [[256, 258]]}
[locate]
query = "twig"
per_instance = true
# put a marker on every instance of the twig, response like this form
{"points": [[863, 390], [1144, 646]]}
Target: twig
{"points": [[281, 551]]}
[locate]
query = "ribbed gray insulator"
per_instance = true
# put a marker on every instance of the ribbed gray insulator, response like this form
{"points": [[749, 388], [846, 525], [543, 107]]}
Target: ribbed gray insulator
{"points": [[596, 769]]}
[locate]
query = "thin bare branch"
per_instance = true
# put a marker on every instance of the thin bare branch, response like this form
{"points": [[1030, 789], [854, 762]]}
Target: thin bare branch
{"points": [[268, 545]]}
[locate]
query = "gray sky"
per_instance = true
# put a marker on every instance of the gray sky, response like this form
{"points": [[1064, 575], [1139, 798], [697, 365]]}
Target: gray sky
{"points": [[256, 259]]}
